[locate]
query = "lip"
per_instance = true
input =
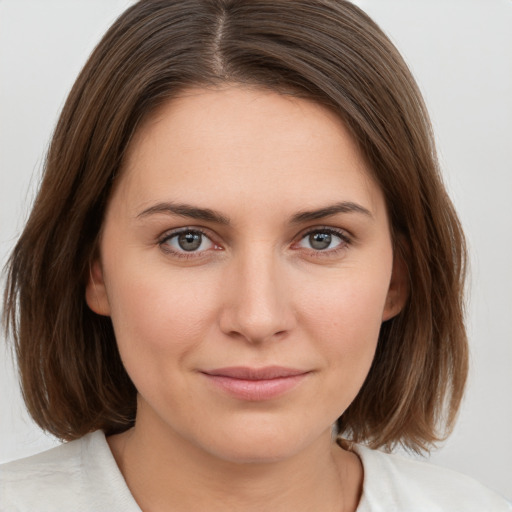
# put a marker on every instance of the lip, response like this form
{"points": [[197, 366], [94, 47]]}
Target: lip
{"points": [[256, 384]]}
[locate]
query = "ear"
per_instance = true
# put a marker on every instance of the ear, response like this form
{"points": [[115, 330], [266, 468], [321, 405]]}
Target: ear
{"points": [[95, 290], [398, 291]]}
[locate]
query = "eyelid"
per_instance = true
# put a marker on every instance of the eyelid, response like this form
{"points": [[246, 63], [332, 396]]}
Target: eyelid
{"points": [[343, 234], [167, 235]]}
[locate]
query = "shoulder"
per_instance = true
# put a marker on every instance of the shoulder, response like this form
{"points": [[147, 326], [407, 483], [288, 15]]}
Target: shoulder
{"points": [[25, 482], [80, 475], [392, 482]]}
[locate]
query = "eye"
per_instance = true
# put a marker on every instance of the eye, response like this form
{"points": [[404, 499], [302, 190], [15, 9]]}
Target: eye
{"points": [[324, 239], [187, 241]]}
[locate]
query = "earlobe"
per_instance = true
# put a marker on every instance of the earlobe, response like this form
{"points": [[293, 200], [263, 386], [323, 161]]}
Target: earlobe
{"points": [[95, 290], [398, 291]]}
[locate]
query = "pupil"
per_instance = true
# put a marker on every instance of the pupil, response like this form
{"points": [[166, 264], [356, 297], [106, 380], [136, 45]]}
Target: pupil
{"points": [[320, 240], [189, 241]]}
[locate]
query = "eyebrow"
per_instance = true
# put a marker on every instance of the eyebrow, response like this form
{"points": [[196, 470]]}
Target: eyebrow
{"points": [[185, 210], [206, 214], [328, 211]]}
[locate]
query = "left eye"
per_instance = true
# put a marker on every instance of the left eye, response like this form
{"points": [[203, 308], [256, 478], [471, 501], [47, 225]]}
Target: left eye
{"points": [[322, 240], [189, 241]]}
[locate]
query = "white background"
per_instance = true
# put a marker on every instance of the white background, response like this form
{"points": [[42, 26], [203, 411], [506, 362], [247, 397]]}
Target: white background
{"points": [[461, 53]]}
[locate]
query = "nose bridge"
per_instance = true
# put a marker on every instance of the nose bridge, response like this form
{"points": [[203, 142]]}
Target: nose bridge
{"points": [[259, 300]]}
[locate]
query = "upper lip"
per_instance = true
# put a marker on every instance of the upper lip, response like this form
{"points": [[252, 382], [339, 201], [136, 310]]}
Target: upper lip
{"points": [[248, 373]]}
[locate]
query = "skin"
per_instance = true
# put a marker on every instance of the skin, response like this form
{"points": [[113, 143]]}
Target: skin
{"points": [[256, 293]]}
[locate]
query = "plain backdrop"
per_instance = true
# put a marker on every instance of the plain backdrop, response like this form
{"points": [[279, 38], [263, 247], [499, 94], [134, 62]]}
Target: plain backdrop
{"points": [[461, 54]]}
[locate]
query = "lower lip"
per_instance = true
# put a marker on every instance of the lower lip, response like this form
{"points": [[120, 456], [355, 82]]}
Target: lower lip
{"points": [[256, 390]]}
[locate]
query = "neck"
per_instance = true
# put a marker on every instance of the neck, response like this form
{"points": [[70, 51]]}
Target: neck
{"points": [[167, 473]]}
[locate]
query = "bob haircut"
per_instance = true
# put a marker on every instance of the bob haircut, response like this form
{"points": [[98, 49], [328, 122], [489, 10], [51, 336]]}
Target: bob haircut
{"points": [[328, 51]]}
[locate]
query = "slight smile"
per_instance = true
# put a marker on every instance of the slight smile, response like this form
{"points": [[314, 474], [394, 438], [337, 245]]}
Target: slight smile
{"points": [[256, 384]]}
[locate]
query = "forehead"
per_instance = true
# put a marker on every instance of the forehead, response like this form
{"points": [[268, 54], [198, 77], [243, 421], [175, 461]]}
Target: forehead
{"points": [[240, 141]]}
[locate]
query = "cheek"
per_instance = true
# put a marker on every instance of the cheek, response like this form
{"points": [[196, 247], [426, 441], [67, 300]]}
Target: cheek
{"points": [[350, 349], [160, 320], [345, 319], [157, 313], [350, 303]]}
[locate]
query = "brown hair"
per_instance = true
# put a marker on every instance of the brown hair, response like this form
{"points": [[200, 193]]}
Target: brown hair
{"points": [[72, 377]]}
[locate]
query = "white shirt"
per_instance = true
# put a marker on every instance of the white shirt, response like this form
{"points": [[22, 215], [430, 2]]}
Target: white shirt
{"points": [[82, 476]]}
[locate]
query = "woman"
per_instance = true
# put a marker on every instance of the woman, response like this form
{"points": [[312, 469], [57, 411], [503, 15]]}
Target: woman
{"points": [[241, 268]]}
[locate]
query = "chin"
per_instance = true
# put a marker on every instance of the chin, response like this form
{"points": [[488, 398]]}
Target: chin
{"points": [[263, 443]]}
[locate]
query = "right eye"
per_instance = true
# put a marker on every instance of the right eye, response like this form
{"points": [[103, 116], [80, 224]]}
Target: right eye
{"points": [[187, 242]]}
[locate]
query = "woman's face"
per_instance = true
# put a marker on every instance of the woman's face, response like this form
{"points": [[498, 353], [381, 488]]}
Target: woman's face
{"points": [[247, 265]]}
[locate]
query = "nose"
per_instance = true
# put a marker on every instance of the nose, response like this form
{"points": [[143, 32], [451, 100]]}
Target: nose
{"points": [[258, 298]]}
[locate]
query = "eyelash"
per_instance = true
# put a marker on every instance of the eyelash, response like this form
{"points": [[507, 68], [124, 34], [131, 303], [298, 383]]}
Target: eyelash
{"points": [[341, 234], [162, 242]]}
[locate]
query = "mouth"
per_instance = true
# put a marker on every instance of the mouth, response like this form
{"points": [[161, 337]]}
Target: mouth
{"points": [[255, 384]]}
